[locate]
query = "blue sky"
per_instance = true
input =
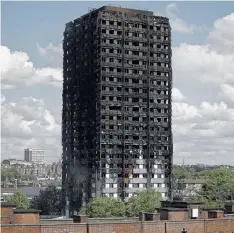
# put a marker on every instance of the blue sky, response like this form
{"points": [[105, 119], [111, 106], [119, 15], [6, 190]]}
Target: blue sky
{"points": [[203, 76], [44, 22]]}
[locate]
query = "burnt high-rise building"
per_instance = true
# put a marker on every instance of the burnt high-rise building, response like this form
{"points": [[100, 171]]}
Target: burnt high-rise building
{"points": [[116, 120]]}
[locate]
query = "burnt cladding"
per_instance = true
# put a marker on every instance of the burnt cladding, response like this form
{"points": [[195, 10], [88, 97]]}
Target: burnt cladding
{"points": [[116, 119]]}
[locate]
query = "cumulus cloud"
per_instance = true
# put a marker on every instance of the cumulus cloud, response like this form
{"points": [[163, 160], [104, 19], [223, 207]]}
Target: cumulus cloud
{"points": [[199, 62], [204, 133], [28, 123], [227, 92], [177, 96], [16, 69], [221, 37], [52, 53], [203, 130], [178, 24]]}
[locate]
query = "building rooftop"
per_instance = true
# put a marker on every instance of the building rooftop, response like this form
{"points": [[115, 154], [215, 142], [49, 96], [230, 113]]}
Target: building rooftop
{"points": [[26, 211], [7, 204], [192, 181], [173, 209]]}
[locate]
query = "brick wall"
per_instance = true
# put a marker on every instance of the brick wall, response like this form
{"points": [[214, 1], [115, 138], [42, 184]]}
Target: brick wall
{"points": [[204, 214], [154, 227], [216, 214], [192, 226], [219, 225], [115, 228], [6, 213], [64, 228], [163, 215], [55, 221], [26, 218], [177, 215], [20, 229]]}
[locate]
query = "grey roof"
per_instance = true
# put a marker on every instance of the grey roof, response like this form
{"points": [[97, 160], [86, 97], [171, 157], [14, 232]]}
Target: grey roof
{"points": [[30, 191]]}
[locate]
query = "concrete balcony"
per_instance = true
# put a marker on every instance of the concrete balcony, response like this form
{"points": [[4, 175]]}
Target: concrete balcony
{"points": [[158, 180], [140, 170]]}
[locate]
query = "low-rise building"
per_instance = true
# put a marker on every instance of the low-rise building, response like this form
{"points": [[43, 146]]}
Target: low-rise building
{"points": [[189, 187]]}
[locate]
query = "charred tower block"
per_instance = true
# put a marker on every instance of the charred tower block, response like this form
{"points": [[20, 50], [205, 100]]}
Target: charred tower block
{"points": [[116, 120]]}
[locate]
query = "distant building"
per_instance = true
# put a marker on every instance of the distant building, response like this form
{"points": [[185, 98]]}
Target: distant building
{"points": [[30, 192], [190, 187], [34, 155]]}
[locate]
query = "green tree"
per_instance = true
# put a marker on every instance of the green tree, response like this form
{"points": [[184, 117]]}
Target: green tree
{"points": [[104, 207], [218, 188], [203, 174], [49, 201], [10, 174], [192, 171], [181, 173], [144, 201], [20, 200]]}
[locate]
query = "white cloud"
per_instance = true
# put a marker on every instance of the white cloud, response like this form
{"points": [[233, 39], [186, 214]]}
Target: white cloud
{"points": [[178, 24], [199, 62], [177, 96], [28, 123], [221, 37], [203, 132], [53, 53], [16, 69], [227, 92]]}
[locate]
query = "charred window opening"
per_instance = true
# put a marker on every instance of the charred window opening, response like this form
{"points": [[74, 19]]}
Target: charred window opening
{"points": [[115, 108]]}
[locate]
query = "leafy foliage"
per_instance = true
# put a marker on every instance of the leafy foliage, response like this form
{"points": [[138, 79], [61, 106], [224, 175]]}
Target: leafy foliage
{"points": [[145, 201], [181, 173], [20, 200], [218, 188], [48, 201], [220, 185], [9, 174], [105, 207]]}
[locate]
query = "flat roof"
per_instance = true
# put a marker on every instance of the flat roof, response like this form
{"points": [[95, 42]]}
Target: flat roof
{"points": [[117, 9], [213, 208], [173, 209], [125, 10], [26, 211], [183, 202], [7, 204]]}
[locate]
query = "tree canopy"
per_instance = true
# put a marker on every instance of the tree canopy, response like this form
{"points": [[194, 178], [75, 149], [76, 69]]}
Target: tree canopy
{"points": [[48, 201], [105, 207], [20, 200], [181, 173], [144, 201], [9, 174], [219, 187]]}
